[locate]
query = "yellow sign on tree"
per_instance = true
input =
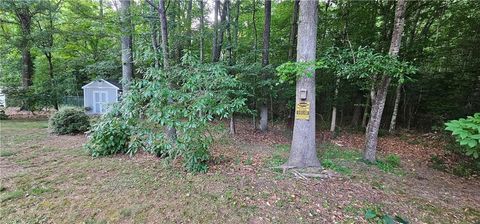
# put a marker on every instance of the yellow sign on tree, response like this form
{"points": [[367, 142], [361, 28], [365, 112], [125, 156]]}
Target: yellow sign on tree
{"points": [[302, 111]]}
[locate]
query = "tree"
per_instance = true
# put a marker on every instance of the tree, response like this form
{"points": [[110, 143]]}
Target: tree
{"points": [[379, 92], [265, 62], [293, 31], [303, 150], [127, 57]]}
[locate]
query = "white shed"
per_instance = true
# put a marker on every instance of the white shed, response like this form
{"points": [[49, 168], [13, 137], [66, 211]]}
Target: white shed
{"points": [[3, 100], [99, 94]]}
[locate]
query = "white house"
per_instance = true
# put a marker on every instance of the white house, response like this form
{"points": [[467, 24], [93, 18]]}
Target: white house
{"points": [[3, 102], [99, 94]]}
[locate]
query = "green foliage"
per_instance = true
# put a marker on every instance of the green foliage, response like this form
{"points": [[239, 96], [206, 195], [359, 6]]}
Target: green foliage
{"points": [[3, 116], [467, 133], [290, 71], [69, 120], [186, 97], [378, 216], [110, 136], [389, 164]]}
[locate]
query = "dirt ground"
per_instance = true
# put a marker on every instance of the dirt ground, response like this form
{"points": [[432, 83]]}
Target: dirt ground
{"points": [[51, 179]]}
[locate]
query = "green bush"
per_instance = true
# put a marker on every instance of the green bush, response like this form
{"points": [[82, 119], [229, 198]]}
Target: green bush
{"points": [[467, 133], [108, 137], [3, 116], [186, 97], [69, 120]]}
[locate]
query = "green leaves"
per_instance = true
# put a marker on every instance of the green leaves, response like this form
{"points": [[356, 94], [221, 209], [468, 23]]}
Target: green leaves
{"points": [[467, 133], [186, 97]]}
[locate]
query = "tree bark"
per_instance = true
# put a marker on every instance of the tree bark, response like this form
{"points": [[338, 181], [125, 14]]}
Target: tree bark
{"points": [[202, 30], [265, 62], [293, 31], [334, 108], [25, 18], [127, 58], [365, 112], [393, 121], [303, 151], [357, 110], [188, 23], [215, 51], [379, 94], [155, 44]]}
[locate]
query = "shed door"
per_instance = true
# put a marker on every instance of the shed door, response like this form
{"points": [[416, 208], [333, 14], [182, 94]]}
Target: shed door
{"points": [[99, 102]]}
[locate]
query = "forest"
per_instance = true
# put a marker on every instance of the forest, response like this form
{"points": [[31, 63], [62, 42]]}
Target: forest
{"points": [[291, 92]]}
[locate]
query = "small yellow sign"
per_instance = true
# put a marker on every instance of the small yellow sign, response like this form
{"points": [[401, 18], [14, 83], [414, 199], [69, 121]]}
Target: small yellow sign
{"points": [[302, 111]]}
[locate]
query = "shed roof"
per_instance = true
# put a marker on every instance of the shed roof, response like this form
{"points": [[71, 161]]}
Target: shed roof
{"points": [[112, 83]]}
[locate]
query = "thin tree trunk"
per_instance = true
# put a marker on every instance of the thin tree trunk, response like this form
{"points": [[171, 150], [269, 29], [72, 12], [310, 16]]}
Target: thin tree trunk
{"points": [[127, 58], [255, 47], [188, 23], [215, 50], [293, 31], [303, 151], [380, 95], [393, 121], [334, 108], [357, 110], [202, 30], [153, 28], [171, 131], [265, 62], [365, 112]]}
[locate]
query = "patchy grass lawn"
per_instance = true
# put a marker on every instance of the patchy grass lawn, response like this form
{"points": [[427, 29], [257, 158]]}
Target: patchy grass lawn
{"points": [[50, 179]]}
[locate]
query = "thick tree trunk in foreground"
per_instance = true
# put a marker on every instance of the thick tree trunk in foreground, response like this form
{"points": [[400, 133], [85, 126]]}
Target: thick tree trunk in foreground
{"points": [[127, 58], [303, 151], [293, 31], [265, 62], [393, 121], [379, 94]]}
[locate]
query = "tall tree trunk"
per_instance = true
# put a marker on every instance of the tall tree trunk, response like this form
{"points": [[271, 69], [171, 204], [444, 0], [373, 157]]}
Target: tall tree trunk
{"points": [[215, 51], [293, 31], [153, 28], [265, 61], [188, 23], [303, 151], [380, 93], [393, 121], [357, 110], [223, 21], [254, 12], [202, 30], [25, 19], [127, 58], [365, 112], [171, 131], [333, 123]]}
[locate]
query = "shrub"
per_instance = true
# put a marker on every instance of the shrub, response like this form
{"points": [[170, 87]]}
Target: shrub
{"points": [[467, 133], [69, 120], [186, 97], [108, 137], [3, 116]]}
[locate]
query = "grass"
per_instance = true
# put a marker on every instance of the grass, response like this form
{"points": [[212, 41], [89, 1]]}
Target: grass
{"points": [[6, 153], [52, 183]]}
